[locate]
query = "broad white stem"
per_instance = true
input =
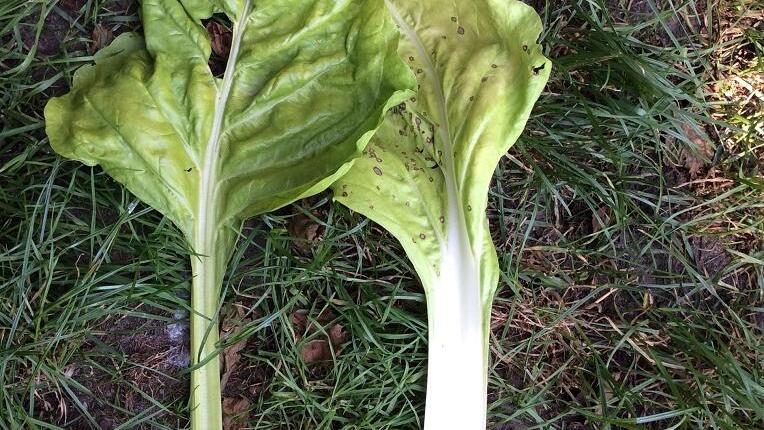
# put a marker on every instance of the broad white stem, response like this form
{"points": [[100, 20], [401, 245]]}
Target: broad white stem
{"points": [[457, 355], [456, 378], [456, 370]]}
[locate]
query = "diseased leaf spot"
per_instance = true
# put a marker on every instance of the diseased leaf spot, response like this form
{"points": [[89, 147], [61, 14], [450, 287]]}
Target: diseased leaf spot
{"points": [[408, 204], [344, 194], [422, 236], [444, 37], [469, 208], [472, 98], [371, 206], [453, 19], [377, 171], [189, 169], [536, 70], [411, 58], [525, 48], [413, 100], [419, 71], [493, 66], [442, 220], [460, 30], [430, 178], [485, 78]]}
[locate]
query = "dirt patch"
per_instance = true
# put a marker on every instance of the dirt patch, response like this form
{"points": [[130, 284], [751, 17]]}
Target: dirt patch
{"points": [[128, 365]]}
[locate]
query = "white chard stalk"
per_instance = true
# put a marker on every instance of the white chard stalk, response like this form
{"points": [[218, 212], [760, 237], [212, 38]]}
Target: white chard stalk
{"points": [[425, 176]]}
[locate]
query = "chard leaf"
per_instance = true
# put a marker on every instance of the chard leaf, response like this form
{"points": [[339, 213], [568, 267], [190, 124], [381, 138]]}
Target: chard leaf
{"points": [[425, 176], [305, 83]]}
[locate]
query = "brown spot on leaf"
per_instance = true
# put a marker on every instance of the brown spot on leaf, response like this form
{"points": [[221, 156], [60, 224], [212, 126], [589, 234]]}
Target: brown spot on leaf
{"points": [[377, 171], [460, 30]]}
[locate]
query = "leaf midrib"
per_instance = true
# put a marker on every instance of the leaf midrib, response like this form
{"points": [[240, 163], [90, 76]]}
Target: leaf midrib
{"points": [[444, 131], [205, 221]]}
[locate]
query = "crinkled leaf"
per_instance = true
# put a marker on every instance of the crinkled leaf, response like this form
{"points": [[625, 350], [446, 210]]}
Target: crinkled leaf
{"points": [[304, 82]]}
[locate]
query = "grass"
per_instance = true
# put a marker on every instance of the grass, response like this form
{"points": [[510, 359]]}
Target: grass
{"points": [[629, 220]]}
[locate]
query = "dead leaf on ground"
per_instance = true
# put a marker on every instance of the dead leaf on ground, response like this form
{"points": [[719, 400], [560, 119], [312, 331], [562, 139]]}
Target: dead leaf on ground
{"points": [[101, 37], [601, 219], [220, 38], [300, 323], [233, 323], [337, 335], [304, 230], [318, 350], [697, 157], [235, 413]]}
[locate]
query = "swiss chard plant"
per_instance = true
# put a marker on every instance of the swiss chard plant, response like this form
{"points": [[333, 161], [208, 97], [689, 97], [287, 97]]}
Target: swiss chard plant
{"points": [[425, 176], [305, 84]]}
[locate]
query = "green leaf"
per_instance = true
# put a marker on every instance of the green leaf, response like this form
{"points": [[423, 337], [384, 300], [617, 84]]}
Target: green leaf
{"points": [[306, 83], [425, 175]]}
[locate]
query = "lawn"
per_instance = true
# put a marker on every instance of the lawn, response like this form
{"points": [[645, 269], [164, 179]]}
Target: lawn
{"points": [[629, 221]]}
